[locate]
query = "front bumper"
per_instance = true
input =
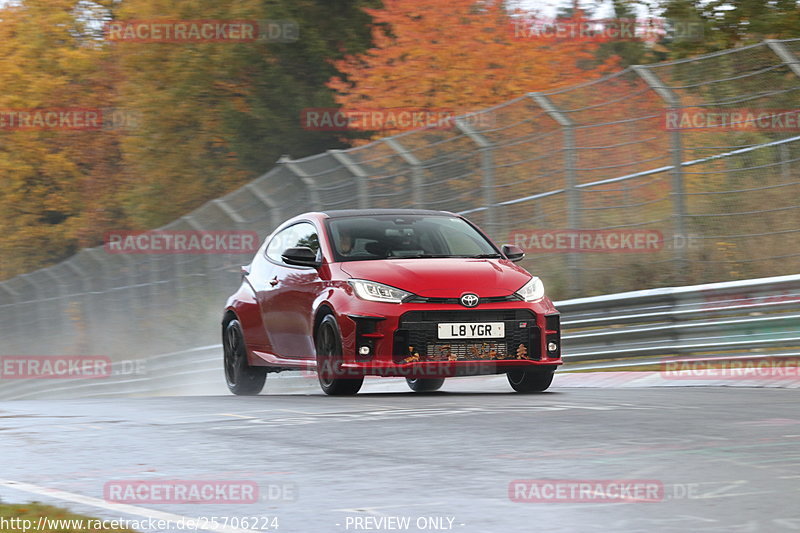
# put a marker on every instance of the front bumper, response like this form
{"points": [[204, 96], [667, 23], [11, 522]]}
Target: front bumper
{"points": [[402, 339]]}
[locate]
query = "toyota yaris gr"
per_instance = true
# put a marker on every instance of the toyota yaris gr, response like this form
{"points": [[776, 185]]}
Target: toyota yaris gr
{"points": [[423, 295]]}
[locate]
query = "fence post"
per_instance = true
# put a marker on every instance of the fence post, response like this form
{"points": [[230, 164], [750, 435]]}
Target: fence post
{"points": [[225, 262], [229, 212], [274, 209], [307, 180], [417, 198], [39, 317], [102, 303], [786, 169], [571, 181], [11, 321], [82, 325], [208, 270], [788, 58], [59, 319], [359, 175], [793, 62], [487, 169], [678, 195], [130, 281]]}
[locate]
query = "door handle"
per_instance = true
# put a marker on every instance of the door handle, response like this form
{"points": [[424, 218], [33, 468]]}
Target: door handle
{"points": [[274, 281]]}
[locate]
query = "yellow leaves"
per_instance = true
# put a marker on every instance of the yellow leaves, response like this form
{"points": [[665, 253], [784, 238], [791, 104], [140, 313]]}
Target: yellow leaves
{"points": [[45, 174], [78, 59]]}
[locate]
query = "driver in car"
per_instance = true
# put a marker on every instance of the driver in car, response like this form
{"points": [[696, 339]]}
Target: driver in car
{"points": [[345, 243]]}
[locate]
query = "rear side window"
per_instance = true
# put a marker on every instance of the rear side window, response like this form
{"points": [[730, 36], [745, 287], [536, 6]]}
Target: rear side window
{"points": [[301, 234]]}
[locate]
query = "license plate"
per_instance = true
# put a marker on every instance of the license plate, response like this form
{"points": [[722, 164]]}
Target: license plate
{"points": [[472, 330]]}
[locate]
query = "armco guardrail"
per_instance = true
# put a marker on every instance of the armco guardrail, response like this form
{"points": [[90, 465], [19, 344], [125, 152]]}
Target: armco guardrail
{"points": [[757, 317], [753, 318]]}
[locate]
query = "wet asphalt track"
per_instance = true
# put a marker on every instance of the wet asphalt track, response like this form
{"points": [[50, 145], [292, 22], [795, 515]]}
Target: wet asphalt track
{"points": [[728, 458]]}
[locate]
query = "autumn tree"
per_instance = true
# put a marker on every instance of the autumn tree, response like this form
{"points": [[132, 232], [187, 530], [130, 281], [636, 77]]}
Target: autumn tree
{"points": [[722, 24], [466, 56], [58, 183], [217, 114]]}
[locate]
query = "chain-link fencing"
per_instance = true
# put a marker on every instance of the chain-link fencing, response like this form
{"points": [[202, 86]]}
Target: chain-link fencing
{"points": [[670, 153]]}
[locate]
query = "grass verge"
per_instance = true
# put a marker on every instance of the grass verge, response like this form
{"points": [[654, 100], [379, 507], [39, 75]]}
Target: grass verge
{"points": [[39, 518]]}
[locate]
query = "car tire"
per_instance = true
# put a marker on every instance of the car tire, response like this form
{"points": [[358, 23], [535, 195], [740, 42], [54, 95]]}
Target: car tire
{"points": [[241, 378], [328, 344], [425, 384], [527, 380]]}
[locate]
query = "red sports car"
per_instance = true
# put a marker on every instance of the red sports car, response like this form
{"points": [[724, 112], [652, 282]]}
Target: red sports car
{"points": [[418, 294]]}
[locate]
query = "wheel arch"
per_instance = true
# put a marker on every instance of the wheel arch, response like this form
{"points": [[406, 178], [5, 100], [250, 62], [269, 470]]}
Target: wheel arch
{"points": [[227, 317], [322, 311]]}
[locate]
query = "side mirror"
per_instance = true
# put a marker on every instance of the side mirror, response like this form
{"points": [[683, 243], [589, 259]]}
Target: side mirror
{"points": [[245, 270], [514, 253], [300, 256]]}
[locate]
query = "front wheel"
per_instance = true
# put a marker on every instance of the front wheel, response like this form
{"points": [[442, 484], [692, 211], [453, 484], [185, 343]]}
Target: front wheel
{"points": [[241, 378], [425, 384], [530, 379], [328, 343]]}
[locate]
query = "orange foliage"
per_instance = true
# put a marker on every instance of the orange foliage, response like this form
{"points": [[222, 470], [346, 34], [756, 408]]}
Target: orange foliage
{"points": [[461, 57]]}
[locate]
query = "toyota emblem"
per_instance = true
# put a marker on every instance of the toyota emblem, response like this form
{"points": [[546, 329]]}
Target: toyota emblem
{"points": [[469, 300]]}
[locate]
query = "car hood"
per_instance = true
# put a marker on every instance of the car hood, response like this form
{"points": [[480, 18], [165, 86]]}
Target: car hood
{"points": [[444, 277]]}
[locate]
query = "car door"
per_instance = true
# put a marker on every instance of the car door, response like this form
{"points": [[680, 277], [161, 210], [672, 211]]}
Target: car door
{"points": [[257, 277], [288, 303]]}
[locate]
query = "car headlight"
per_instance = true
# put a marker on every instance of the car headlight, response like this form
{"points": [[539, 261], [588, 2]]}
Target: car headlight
{"points": [[377, 292], [531, 291]]}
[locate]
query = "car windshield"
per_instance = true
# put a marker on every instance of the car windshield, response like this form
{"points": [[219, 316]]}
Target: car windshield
{"points": [[363, 238]]}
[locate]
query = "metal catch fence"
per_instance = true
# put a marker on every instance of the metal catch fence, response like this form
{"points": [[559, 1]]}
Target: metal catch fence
{"points": [[619, 154]]}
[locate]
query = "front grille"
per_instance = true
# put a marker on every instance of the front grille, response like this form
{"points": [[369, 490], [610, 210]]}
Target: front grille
{"points": [[466, 350], [490, 300], [417, 337]]}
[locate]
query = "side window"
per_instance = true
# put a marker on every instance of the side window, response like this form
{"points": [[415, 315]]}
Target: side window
{"points": [[306, 235], [302, 234], [276, 246]]}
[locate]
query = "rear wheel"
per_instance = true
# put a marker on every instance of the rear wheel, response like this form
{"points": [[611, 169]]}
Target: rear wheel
{"points": [[328, 343], [425, 384], [242, 379], [530, 379]]}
